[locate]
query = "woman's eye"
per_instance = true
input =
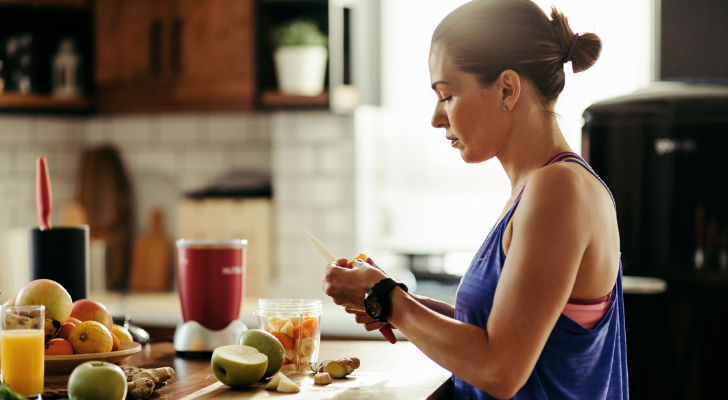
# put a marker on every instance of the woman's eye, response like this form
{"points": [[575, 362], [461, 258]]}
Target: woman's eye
{"points": [[446, 99]]}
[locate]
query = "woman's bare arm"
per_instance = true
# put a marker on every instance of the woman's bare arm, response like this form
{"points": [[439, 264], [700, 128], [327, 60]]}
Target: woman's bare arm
{"points": [[550, 235]]}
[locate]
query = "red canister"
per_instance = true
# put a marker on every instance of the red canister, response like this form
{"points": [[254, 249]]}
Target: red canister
{"points": [[211, 280]]}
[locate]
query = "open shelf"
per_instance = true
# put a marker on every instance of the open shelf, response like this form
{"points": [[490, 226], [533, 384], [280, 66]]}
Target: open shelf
{"points": [[276, 99], [31, 102], [77, 4]]}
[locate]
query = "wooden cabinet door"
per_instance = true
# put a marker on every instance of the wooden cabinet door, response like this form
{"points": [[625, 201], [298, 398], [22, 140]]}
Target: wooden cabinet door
{"points": [[132, 55], [214, 59]]}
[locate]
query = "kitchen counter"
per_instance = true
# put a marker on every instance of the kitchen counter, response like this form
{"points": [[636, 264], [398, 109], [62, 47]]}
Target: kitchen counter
{"points": [[399, 371], [164, 310]]}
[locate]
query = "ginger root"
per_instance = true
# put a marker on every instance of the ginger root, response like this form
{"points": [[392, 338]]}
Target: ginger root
{"points": [[142, 382], [322, 378], [336, 368]]}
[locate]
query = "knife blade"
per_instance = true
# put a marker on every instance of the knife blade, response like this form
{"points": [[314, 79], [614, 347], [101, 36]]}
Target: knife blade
{"points": [[329, 257]]}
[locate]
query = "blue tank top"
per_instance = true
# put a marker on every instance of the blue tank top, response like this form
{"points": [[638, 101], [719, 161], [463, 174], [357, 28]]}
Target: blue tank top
{"points": [[576, 363]]}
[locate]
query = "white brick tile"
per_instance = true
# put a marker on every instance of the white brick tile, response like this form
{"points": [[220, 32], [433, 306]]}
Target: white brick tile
{"points": [[6, 161], [191, 181], [235, 127], [130, 128], [338, 222], [208, 161], [162, 161], [254, 160], [68, 161], [319, 192], [98, 130], [16, 129], [53, 129], [285, 191], [318, 126], [25, 160], [174, 128]]}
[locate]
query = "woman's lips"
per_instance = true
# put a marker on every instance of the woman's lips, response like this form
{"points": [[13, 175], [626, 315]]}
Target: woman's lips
{"points": [[453, 141]]}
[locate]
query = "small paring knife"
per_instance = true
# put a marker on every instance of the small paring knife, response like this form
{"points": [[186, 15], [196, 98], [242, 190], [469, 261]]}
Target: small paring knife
{"points": [[329, 257]]}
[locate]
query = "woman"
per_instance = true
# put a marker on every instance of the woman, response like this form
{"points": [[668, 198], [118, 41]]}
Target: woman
{"points": [[539, 313]]}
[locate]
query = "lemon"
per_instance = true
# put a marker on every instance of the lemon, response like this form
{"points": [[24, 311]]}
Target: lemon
{"points": [[121, 332], [91, 337]]}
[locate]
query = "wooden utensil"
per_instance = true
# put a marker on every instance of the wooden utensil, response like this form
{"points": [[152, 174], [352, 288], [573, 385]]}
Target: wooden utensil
{"points": [[152, 257]]}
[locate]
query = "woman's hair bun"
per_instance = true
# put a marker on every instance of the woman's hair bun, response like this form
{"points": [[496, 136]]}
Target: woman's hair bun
{"points": [[588, 45]]}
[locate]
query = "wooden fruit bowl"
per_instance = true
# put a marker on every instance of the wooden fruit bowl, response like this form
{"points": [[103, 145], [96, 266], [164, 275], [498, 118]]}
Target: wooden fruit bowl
{"points": [[64, 365]]}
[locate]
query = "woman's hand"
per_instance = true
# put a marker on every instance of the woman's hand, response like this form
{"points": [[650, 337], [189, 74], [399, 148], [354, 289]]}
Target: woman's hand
{"points": [[347, 287], [369, 323]]}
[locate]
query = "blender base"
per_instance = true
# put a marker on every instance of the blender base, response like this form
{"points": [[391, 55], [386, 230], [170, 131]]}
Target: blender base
{"points": [[192, 337]]}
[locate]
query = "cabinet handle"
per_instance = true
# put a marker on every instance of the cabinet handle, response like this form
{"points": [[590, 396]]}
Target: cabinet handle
{"points": [[176, 46], [155, 48]]}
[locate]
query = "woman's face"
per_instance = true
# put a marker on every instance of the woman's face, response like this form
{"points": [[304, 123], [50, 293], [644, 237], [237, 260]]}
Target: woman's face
{"points": [[472, 116]]}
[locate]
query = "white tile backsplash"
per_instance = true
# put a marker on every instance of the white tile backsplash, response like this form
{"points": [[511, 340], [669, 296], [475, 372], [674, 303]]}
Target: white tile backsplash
{"points": [[309, 154], [176, 128]]}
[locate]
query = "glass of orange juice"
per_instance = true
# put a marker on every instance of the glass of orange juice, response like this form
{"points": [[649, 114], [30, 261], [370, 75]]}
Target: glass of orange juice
{"points": [[22, 348]]}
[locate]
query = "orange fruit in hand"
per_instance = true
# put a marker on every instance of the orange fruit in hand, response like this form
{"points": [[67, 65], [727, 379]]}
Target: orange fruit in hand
{"points": [[91, 337], [58, 347], [116, 344], [362, 257], [65, 330]]}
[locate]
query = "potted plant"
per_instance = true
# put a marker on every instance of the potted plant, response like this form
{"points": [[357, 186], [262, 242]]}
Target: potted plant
{"points": [[300, 57]]}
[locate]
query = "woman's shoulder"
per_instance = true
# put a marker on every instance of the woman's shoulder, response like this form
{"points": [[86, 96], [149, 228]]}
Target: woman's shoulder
{"points": [[564, 186]]}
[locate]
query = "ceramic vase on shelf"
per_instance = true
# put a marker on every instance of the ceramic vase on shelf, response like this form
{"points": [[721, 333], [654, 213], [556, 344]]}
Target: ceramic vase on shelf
{"points": [[300, 57], [301, 70]]}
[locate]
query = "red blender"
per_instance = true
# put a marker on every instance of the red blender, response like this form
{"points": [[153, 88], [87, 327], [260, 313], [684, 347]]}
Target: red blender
{"points": [[211, 282]]}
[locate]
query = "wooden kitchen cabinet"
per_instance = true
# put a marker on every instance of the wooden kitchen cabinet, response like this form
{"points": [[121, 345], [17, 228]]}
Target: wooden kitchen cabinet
{"points": [[168, 55]]}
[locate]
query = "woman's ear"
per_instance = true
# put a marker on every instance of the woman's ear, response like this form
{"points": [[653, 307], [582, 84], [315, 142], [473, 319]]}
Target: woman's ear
{"points": [[511, 88]]}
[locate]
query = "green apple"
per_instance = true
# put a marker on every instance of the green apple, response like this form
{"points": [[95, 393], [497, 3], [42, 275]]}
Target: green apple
{"points": [[238, 366], [267, 344], [49, 293], [97, 380]]}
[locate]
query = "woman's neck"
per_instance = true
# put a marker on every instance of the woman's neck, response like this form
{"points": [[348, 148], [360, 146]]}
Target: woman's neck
{"points": [[534, 138]]}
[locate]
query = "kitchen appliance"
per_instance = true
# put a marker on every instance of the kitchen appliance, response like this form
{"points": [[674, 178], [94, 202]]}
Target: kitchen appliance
{"points": [[662, 152], [210, 280], [60, 254]]}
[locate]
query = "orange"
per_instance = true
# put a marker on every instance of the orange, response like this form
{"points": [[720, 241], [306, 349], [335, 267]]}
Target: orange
{"points": [[65, 330], [310, 325], [362, 257], [285, 340], [91, 337], [116, 344], [58, 347], [122, 333]]}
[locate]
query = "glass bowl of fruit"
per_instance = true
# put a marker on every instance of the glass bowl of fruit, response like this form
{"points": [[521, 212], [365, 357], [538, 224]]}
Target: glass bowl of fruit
{"points": [[296, 323]]}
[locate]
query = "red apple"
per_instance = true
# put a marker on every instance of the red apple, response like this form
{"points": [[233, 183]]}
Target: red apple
{"points": [[49, 293], [89, 310], [76, 321], [11, 301]]}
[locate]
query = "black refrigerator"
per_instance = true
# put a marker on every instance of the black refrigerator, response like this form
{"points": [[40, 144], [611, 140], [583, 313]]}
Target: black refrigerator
{"points": [[663, 152]]}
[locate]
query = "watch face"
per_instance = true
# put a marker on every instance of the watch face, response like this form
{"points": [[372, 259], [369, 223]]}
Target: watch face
{"points": [[373, 308]]}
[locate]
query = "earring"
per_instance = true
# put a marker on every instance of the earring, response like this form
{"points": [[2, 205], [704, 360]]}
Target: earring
{"points": [[505, 108]]}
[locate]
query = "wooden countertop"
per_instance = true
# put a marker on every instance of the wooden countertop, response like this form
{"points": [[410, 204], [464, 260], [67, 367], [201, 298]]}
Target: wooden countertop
{"points": [[399, 371]]}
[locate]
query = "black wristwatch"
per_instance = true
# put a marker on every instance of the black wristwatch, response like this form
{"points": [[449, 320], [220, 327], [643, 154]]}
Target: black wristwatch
{"points": [[377, 303]]}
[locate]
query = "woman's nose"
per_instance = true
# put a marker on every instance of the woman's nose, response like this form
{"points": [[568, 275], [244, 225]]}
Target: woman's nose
{"points": [[439, 119]]}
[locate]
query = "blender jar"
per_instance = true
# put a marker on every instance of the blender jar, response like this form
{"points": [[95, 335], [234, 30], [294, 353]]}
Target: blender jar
{"points": [[296, 323]]}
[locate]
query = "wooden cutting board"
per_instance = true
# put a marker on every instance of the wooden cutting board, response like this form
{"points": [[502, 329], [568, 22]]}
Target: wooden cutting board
{"points": [[150, 268], [399, 372]]}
